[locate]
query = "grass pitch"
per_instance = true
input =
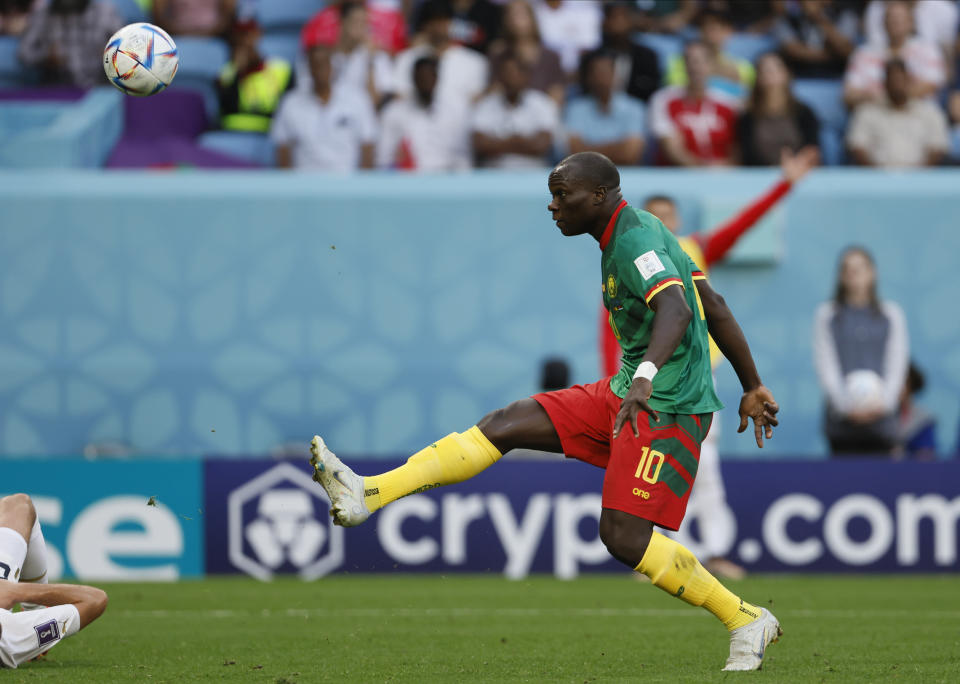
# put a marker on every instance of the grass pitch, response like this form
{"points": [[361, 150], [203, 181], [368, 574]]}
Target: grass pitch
{"points": [[483, 629]]}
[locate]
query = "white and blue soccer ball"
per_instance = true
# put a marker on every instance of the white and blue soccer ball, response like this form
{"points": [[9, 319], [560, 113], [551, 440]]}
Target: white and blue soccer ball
{"points": [[140, 59]]}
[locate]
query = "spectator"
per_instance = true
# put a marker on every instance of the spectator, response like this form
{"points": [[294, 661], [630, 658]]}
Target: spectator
{"points": [[194, 17], [327, 128], [520, 37], [817, 38], [695, 125], [747, 15], [664, 16], [357, 63], [860, 350], [514, 128], [14, 15], [569, 28], [637, 69], [463, 72], [903, 131], [475, 23], [774, 118], [65, 39], [602, 119], [727, 73], [936, 21], [250, 87], [864, 78], [388, 29], [917, 427], [419, 133]]}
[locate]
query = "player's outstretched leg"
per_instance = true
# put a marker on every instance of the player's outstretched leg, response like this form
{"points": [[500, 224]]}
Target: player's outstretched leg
{"points": [[673, 568], [455, 458]]}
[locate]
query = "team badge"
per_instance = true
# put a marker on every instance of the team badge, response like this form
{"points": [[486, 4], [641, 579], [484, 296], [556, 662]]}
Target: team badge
{"points": [[611, 286]]}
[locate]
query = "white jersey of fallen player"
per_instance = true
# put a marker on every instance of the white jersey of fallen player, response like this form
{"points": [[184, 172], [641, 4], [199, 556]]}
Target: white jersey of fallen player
{"points": [[27, 634]]}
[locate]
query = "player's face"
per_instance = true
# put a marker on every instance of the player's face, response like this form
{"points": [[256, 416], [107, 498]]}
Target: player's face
{"points": [[570, 205]]}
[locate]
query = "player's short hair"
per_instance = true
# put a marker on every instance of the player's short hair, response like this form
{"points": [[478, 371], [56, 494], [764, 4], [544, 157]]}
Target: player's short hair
{"points": [[659, 198], [592, 168]]}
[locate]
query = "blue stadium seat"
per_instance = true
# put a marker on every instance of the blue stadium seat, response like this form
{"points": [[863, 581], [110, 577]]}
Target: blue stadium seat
{"points": [[825, 98], [749, 46], [285, 14], [201, 60], [283, 45], [665, 46], [253, 147], [11, 71], [130, 11]]}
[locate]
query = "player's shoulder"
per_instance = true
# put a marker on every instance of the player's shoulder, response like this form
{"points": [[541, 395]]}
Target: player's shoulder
{"points": [[638, 227]]}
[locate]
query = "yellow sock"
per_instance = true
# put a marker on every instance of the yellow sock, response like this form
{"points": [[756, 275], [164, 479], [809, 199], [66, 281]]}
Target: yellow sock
{"points": [[455, 458], [674, 569]]}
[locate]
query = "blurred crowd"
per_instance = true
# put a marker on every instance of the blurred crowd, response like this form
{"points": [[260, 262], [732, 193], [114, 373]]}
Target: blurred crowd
{"points": [[439, 85]]}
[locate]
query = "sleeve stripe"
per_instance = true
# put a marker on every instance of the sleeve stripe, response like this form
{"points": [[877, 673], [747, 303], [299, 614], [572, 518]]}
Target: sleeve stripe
{"points": [[697, 275], [662, 285]]}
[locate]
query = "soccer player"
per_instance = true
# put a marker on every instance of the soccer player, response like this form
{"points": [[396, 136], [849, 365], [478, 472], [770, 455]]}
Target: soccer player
{"points": [[644, 425], [23, 567]]}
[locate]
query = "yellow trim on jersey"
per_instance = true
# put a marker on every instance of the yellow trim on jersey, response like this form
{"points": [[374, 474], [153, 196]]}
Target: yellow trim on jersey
{"points": [[661, 287]]}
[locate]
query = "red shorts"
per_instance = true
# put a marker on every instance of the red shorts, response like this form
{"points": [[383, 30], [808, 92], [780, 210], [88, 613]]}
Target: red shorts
{"points": [[648, 476]]}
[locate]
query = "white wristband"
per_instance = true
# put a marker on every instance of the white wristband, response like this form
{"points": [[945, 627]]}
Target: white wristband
{"points": [[645, 370]]}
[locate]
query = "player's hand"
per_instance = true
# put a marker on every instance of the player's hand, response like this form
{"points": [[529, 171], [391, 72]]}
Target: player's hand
{"points": [[759, 405], [635, 401], [796, 166]]}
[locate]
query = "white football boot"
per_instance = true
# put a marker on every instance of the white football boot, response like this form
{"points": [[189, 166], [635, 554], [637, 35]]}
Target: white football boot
{"points": [[749, 643], [343, 486]]}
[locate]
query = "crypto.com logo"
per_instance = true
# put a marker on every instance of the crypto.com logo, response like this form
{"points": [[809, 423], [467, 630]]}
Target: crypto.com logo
{"points": [[290, 526]]}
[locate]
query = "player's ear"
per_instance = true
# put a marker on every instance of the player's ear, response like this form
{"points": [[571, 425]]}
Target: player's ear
{"points": [[599, 195]]}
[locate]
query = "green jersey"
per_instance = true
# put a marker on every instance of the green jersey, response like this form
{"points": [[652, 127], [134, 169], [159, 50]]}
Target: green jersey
{"points": [[640, 259]]}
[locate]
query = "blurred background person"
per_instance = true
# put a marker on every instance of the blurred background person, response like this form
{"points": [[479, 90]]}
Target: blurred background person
{"points": [[664, 16], [570, 28], [357, 62], [463, 72], [249, 87], [515, 127], [695, 125], [475, 23], [388, 27], [816, 37], [732, 74], [936, 21], [774, 119], [520, 36], [64, 39], [327, 128], [917, 427], [421, 133], [194, 17], [749, 16], [637, 68], [864, 78], [14, 15], [861, 354], [602, 119], [902, 131]]}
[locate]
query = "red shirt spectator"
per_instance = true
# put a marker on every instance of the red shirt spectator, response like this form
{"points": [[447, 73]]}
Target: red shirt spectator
{"points": [[387, 26]]}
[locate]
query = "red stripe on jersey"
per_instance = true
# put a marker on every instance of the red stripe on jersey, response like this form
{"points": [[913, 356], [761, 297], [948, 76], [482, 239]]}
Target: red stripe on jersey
{"points": [[608, 231], [661, 284]]}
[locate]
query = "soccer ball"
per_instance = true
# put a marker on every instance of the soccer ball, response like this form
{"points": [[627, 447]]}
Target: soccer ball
{"points": [[864, 390], [140, 59]]}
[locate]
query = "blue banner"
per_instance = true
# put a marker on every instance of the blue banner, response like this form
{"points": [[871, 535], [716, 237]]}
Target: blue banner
{"points": [[541, 516], [115, 521]]}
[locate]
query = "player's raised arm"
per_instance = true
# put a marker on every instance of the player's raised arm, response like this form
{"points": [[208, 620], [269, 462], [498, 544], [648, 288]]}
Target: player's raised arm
{"points": [[671, 317], [757, 401]]}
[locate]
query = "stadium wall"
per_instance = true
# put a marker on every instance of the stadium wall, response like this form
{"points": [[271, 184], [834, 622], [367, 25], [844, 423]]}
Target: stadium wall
{"points": [[167, 520], [232, 313]]}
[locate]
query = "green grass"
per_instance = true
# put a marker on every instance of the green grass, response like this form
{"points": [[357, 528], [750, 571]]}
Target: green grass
{"points": [[480, 629]]}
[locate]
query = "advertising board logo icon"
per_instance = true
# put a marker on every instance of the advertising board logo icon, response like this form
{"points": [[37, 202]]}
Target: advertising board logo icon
{"points": [[278, 520]]}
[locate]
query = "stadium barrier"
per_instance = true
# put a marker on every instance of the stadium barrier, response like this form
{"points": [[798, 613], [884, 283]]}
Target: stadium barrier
{"points": [[166, 520]]}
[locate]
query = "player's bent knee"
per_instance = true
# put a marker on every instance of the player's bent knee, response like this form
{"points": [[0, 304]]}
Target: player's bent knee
{"points": [[626, 537], [19, 506]]}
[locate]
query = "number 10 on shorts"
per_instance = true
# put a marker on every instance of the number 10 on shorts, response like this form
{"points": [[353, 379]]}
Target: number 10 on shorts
{"points": [[647, 458]]}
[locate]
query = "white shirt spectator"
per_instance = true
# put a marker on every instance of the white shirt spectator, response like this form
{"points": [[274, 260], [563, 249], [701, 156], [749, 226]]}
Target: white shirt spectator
{"points": [[325, 136], [570, 29], [353, 69], [899, 137], [435, 138], [534, 113], [935, 21], [462, 74], [867, 67]]}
